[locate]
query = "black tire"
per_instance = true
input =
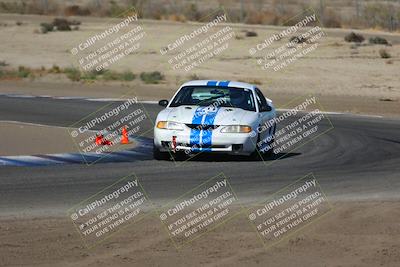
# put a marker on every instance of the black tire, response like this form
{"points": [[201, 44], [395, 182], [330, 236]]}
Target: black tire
{"points": [[270, 152], [158, 155], [256, 154]]}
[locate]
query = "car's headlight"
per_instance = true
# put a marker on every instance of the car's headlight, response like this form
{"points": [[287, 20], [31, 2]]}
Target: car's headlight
{"points": [[236, 129], [170, 125]]}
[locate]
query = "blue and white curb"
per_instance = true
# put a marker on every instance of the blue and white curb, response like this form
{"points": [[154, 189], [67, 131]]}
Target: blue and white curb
{"points": [[142, 152]]}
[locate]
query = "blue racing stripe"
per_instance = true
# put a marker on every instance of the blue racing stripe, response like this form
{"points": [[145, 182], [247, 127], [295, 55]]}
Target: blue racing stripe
{"points": [[195, 133], [224, 83], [207, 134], [212, 83], [206, 117]]}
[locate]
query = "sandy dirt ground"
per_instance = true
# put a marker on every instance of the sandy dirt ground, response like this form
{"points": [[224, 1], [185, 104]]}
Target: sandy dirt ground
{"points": [[352, 234], [345, 79], [29, 139], [339, 72], [370, 105]]}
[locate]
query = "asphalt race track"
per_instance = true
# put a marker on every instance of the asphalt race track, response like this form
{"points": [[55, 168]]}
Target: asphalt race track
{"points": [[358, 159]]}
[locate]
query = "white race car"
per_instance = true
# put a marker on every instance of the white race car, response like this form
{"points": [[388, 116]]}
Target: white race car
{"points": [[217, 117]]}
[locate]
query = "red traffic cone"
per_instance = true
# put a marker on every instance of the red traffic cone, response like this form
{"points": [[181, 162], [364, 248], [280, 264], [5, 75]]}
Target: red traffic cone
{"points": [[99, 139], [125, 138], [106, 143]]}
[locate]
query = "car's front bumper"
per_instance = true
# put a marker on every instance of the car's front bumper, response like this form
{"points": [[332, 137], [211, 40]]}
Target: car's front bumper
{"points": [[230, 143]]}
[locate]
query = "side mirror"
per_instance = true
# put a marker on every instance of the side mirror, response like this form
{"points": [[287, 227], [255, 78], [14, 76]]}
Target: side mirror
{"points": [[266, 108], [163, 103]]}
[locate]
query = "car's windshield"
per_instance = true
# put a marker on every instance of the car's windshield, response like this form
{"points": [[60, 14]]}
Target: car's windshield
{"points": [[217, 96]]}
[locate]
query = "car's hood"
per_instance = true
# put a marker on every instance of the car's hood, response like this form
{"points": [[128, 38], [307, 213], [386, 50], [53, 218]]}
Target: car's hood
{"points": [[198, 115]]}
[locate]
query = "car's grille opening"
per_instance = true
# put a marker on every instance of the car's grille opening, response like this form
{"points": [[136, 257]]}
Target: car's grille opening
{"points": [[237, 148], [202, 126], [203, 146], [166, 144]]}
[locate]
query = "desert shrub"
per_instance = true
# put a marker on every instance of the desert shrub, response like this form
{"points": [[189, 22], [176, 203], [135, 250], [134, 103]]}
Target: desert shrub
{"points": [[64, 27], [55, 69], [378, 40], [151, 77], [74, 22], [61, 24], [251, 34], [109, 75], [298, 39], [7, 74], [354, 37], [384, 54], [3, 63], [90, 75], [387, 99], [128, 76], [18, 23], [46, 27], [73, 74], [23, 72]]}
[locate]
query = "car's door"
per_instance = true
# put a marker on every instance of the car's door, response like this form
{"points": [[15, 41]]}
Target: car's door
{"points": [[265, 113]]}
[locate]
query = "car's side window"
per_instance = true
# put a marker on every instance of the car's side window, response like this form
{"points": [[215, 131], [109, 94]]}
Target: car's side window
{"points": [[262, 102]]}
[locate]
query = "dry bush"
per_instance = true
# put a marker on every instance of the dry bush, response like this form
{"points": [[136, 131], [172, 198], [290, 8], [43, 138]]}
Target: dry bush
{"points": [[298, 39], [354, 37], [378, 40], [61, 24], [384, 54], [251, 34], [46, 27]]}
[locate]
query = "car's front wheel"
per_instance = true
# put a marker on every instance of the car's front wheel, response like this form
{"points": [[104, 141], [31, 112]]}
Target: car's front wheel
{"points": [[258, 155]]}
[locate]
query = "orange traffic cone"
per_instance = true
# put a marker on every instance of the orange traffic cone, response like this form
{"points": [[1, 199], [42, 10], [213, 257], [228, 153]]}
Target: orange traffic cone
{"points": [[125, 138]]}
